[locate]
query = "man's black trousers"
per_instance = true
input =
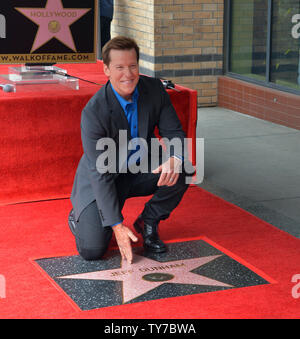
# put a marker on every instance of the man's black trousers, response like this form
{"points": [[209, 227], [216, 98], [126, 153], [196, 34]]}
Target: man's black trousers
{"points": [[92, 239]]}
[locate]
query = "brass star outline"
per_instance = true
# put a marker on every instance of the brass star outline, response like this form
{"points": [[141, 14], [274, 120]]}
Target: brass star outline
{"points": [[133, 276]]}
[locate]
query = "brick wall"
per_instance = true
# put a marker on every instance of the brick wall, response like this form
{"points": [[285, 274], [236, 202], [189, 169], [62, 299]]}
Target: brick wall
{"points": [[181, 40], [262, 102]]}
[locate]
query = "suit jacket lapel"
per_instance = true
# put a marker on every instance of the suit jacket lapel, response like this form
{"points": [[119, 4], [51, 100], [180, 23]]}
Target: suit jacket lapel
{"points": [[118, 116], [143, 111]]}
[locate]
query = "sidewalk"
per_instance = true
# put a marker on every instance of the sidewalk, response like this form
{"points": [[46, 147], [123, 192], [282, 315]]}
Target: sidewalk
{"points": [[253, 164]]}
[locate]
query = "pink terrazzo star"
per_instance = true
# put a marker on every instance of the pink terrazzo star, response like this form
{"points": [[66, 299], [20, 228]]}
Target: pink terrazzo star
{"points": [[54, 22], [145, 274]]}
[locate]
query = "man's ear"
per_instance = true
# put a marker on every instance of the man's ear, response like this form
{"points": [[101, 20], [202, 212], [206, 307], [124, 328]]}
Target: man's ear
{"points": [[106, 70]]}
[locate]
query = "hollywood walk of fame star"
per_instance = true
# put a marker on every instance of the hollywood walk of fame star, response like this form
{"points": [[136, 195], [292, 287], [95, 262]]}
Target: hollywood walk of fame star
{"points": [[145, 274], [54, 22]]}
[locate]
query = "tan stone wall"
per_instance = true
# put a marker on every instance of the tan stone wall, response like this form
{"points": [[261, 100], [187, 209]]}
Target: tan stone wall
{"points": [[136, 19], [181, 40]]}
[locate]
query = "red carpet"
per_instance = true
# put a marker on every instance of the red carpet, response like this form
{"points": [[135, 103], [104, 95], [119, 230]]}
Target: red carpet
{"points": [[38, 230], [40, 135]]}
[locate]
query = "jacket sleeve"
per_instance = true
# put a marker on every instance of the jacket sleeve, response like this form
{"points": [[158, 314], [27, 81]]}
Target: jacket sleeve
{"points": [[103, 183]]}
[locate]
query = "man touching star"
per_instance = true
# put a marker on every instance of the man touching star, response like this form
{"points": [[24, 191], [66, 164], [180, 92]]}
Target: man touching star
{"points": [[134, 104]]}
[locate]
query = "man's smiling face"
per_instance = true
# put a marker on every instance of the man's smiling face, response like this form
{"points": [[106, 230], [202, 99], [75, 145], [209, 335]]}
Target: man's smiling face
{"points": [[123, 71]]}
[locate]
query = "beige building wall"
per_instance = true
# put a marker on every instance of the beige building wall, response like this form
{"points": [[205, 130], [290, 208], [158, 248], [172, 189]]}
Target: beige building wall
{"points": [[180, 40]]}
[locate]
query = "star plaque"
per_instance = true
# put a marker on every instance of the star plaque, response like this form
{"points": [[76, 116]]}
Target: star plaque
{"points": [[54, 22], [145, 274], [49, 31], [191, 267]]}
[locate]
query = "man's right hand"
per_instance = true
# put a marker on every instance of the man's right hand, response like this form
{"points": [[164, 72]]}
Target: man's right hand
{"points": [[124, 236]]}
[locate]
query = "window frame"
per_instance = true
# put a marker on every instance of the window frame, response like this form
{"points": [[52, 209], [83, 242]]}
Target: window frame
{"points": [[227, 43]]}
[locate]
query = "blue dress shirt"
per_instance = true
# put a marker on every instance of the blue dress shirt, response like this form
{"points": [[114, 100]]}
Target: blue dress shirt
{"points": [[131, 113]]}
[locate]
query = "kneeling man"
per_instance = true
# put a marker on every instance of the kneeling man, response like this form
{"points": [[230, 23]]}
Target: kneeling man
{"points": [[125, 111]]}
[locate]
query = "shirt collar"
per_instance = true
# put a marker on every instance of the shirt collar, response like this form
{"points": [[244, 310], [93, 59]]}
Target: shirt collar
{"points": [[123, 102]]}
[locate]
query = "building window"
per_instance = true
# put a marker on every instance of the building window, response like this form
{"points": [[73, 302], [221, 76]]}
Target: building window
{"points": [[264, 42], [285, 62], [249, 38]]}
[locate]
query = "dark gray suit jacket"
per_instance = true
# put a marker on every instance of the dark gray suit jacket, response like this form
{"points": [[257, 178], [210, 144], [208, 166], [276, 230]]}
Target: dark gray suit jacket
{"points": [[103, 117]]}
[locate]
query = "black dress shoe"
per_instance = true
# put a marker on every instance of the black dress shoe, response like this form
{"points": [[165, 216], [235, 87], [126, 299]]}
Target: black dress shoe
{"points": [[152, 243], [72, 222]]}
